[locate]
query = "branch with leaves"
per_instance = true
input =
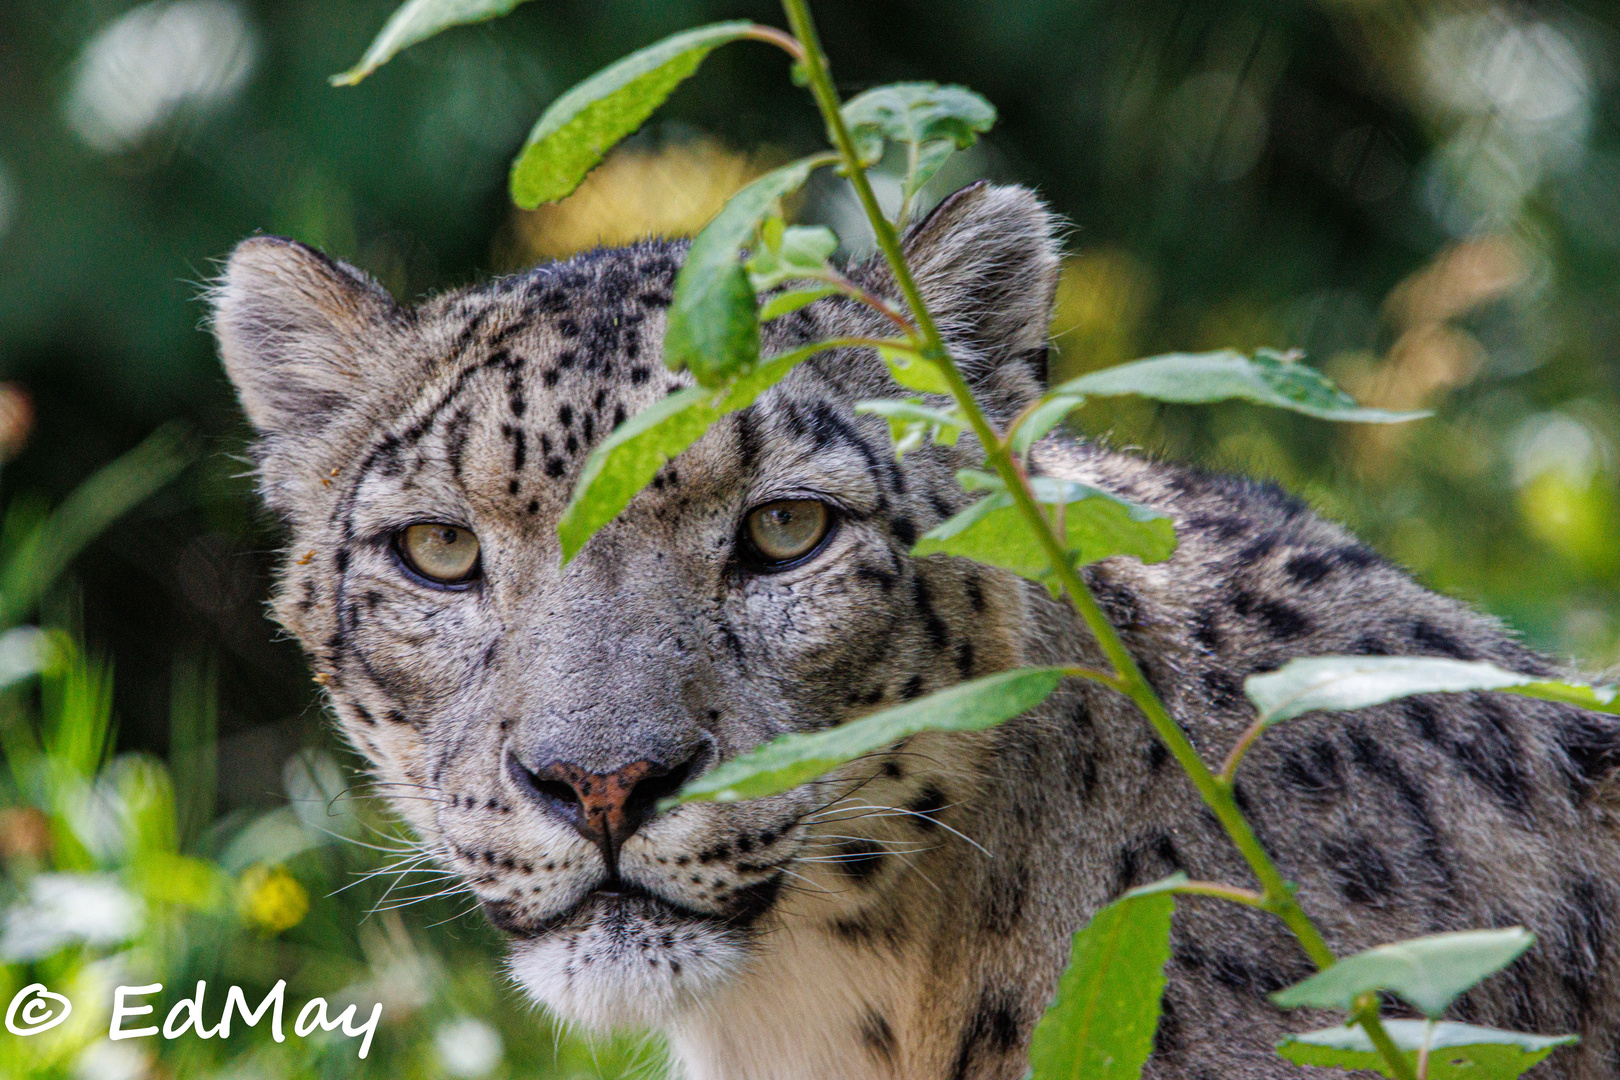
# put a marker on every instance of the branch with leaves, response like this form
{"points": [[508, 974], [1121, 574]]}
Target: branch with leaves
{"points": [[1043, 528]]}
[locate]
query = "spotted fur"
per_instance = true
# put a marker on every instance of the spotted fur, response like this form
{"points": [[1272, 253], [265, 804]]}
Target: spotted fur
{"points": [[909, 916]]}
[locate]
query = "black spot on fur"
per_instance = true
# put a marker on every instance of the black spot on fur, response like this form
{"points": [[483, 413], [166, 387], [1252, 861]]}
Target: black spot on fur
{"points": [[991, 1031], [1437, 642], [1283, 622], [1582, 941], [1362, 871], [878, 1037], [1206, 629], [860, 861], [937, 632], [904, 531], [975, 594], [929, 801], [1376, 762], [1224, 689], [1309, 568], [1314, 770], [1492, 756], [1423, 717], [1167, 1037], [913, 688], [1157, 754], [1591, 742], [964, 658]]}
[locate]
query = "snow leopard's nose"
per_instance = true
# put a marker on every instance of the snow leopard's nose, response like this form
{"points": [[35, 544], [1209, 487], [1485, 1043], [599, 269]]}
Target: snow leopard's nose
{"points": [[604, 808]]}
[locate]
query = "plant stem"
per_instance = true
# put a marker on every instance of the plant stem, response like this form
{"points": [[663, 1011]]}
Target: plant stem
{"points": [[1224, 892], [1279, 898], [772, 36]]}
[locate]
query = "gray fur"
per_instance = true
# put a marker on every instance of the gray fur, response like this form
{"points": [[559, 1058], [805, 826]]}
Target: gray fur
{"points": [[908, 917]]}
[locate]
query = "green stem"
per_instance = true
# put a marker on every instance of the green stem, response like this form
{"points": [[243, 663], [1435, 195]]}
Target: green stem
{"points": [[1279, 898]]}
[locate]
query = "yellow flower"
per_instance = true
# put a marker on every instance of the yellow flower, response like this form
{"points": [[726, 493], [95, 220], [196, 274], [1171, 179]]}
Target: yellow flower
{"points": [[271, 899]]}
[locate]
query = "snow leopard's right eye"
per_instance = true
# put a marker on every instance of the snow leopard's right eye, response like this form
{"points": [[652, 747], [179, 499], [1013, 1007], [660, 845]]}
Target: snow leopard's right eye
{"points": [[440, 553]]}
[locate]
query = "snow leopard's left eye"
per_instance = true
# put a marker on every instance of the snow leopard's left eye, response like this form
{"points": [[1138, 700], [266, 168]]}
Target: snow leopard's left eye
{"points": [[443, 554], [782, 533]]}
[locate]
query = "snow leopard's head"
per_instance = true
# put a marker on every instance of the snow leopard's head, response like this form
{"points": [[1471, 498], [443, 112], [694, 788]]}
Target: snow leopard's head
{"points": [[526, 717]]}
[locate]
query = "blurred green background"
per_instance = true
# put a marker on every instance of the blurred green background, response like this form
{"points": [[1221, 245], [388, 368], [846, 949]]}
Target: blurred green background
{"points": [[1424, 196]]}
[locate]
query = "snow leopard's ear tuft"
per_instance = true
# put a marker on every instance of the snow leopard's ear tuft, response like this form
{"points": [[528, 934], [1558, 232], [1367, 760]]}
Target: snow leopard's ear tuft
{"points": [[295, 330], [987, 260]]}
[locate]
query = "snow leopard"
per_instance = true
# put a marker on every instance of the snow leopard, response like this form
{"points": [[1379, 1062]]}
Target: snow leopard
{"points": [[908, 915]]}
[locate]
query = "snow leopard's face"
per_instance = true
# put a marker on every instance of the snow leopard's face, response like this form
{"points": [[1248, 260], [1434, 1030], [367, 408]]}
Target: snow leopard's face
{"points": [[525, 717]]}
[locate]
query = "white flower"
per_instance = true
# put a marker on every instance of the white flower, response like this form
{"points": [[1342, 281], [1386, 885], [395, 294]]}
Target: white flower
{"points": [[468, 1048], [63, 908]]}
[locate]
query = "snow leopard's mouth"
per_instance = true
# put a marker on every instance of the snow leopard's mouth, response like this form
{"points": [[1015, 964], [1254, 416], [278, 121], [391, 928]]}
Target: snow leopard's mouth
{"points": [[619, 901]]}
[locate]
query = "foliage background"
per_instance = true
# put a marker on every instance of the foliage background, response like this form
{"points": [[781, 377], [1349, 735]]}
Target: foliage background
{"points": [[1423, 195]]}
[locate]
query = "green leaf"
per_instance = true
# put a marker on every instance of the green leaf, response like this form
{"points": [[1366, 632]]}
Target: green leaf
{"points": [[1043, 418], [415, 22], [915, 372], [1429, 972], [915, 114], [584, 123], [713, 327], [628, 459], [911, 422], [1340, 683], [930, 157], [47, 549], [793, 759], [799, 252], [1096, 526], [785, 302], [1456, 1051], [1101, 1023], [1267, 378]]}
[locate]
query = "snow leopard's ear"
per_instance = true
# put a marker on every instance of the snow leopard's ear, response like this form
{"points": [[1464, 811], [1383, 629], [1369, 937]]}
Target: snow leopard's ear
{"points": [[987, 261], [296, 330]]}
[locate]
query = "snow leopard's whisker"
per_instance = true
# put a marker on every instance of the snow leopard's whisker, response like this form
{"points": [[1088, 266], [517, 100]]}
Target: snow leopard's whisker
{"points": [[900, 811]]}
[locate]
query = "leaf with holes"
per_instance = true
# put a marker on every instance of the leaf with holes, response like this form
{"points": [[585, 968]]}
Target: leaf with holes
{"points": [[799, 757], [916, 114], [416, 22], [587, 121], [1101, 1023], [1456, 1051], [1267, 378], [713, 319], [1429, 972], [1096, 525], [1342, 683]]}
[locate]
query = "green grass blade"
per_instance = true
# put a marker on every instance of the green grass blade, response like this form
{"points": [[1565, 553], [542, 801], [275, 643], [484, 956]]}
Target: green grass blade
{"points": [[587, 121], [793, 759], [1100, 1025], [46, 551], [415, 22]]}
